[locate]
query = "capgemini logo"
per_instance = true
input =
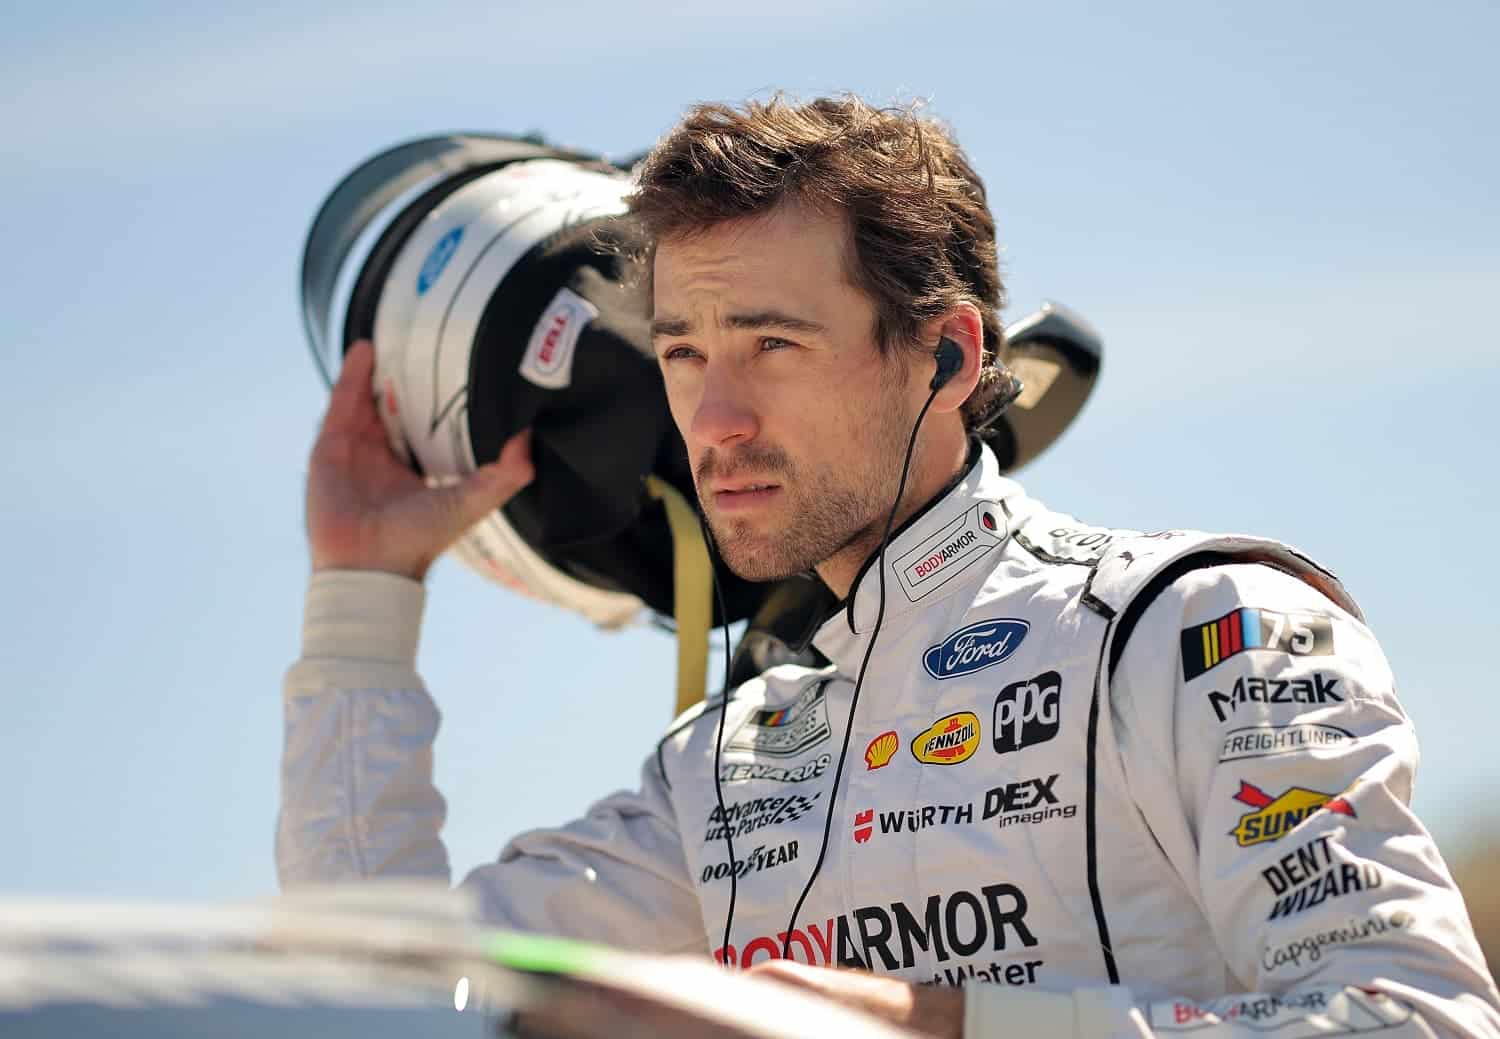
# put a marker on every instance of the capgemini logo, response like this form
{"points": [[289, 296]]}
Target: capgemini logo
{"points": [[975, 647]]}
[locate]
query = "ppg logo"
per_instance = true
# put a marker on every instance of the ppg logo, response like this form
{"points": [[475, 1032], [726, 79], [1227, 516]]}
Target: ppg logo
{"points": [[1026, 713]]}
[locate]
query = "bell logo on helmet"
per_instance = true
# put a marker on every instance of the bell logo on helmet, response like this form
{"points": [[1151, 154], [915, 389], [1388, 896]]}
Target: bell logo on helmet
{"points": [[548, 361], [437, 259]]}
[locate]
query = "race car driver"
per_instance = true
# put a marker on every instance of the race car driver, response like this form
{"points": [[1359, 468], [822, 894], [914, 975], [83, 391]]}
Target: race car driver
{"points": [[1087, 781]]}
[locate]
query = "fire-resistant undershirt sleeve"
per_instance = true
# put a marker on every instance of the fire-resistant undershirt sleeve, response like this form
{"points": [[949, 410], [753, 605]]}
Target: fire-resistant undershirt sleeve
{"points": [[358, 799], [1277, 782]]}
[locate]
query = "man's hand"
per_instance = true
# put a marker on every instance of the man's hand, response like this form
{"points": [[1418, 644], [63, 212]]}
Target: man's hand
{"points": [[925, 1009], [366, 510]]}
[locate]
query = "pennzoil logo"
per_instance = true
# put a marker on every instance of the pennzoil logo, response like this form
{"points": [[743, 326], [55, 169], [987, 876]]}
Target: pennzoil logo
{"points": [[881, 749], [1274, 817], [1205, 646], [948, 741]]}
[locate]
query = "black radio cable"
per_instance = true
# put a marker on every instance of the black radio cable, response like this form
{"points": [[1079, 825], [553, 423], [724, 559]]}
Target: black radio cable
{"points": [[949, 360], [734, 879]]}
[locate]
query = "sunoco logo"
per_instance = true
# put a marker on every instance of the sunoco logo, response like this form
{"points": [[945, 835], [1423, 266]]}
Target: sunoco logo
{"points": [[437, 259], [975, 648]]}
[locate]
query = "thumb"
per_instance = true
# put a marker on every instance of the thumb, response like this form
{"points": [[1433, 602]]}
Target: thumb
{"points": [[490, 486]]}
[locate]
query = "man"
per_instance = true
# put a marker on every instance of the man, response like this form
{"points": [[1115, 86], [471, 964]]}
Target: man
{"points": [[1090, 782]]}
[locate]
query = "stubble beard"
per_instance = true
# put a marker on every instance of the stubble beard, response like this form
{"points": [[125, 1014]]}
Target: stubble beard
{"points": [[827, 511]]}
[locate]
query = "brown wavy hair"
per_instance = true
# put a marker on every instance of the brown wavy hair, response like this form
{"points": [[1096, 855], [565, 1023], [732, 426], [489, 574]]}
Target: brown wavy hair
{"points": [[922, 234]]}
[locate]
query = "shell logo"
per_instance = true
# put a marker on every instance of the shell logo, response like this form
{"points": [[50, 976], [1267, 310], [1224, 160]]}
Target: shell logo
{"points": [[948, 741], [881, 749]]}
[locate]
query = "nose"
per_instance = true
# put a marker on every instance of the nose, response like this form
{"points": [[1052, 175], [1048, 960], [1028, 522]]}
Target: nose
{"points": [[725, 414]]}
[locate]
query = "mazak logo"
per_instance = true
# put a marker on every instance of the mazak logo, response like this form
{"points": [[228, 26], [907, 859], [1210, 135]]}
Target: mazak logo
{"points": [[948, 740], [878, 754], [1206, 646], [951, 550], [955, 926], [1318, 689], [1272, 818], [975, 647], [785, 732], [1027, 713], [437, 260]]}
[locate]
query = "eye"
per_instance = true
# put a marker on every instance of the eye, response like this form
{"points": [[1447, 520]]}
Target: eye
{"points": [[678, 353], [775, 343]]}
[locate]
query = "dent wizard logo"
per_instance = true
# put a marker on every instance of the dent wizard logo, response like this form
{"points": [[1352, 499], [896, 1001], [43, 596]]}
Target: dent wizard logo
{"points": [[975, 647]]}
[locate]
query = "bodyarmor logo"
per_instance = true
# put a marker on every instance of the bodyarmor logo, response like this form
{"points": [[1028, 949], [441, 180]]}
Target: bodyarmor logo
{"points": [[1027, 713], [1274, 817], [975, 647], [948, 741], [887, 936], [951, 550]]}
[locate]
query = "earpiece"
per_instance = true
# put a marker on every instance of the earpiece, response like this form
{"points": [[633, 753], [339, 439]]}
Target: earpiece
{"points": [[949, 360]]}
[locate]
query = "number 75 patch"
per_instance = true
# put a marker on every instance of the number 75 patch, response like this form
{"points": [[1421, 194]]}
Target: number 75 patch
{"points": [[1205, 646]]}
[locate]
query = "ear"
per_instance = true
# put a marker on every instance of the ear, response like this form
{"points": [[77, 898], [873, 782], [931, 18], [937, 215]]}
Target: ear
{"points": [[963, 326]]}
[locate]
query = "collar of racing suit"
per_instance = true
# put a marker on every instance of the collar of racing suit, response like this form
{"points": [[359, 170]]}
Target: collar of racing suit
{"points": [[844, 632]]}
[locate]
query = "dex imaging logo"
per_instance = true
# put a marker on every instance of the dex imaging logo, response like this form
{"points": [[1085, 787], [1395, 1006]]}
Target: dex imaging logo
{"points": [[1027, 713]]}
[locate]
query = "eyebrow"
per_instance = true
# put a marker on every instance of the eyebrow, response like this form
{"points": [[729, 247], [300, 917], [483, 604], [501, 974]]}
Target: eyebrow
{"points": [[665, 327]]}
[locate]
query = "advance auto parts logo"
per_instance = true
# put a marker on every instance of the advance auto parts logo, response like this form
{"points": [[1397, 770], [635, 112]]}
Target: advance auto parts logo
{"points": [[952, 550], [785, 732], [1274, 817], [975, 647], [948, 741]]}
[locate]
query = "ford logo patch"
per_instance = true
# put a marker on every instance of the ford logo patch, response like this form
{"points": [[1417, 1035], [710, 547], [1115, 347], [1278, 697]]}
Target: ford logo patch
{"points": [[975, 647], [437, 259]]}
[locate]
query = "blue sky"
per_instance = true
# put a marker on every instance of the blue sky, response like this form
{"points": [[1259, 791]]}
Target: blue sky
{"points": [[1280, 216]]}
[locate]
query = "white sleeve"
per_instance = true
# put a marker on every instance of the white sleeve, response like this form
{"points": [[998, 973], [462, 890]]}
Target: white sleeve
{"points": [[1277, 782], [358, 800]]}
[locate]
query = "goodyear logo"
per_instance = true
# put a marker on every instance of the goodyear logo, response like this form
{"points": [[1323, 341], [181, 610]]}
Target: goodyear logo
{"points": [[881, 749], [1205, 646], [1271, 818], [948, 741]]}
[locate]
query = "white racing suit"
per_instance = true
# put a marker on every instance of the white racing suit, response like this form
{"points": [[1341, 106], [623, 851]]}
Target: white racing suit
{"points": [[1111, 783]]}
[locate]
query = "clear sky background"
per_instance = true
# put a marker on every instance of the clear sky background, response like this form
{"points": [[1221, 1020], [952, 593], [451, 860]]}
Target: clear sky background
{"points": [[1281, 216]]}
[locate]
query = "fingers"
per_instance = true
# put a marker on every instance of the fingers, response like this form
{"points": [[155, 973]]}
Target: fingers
{"points": [[490, 486], [352, 395]]}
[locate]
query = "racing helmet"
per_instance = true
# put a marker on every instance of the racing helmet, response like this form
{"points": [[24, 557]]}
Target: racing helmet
{"points": [[501, 292]]}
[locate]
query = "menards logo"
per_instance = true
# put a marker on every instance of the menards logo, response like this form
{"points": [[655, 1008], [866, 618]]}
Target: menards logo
{"points": [[1274, 817]]}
